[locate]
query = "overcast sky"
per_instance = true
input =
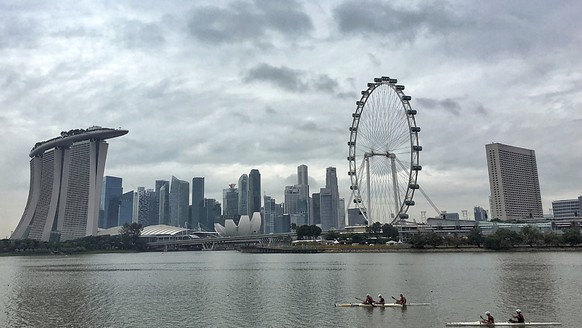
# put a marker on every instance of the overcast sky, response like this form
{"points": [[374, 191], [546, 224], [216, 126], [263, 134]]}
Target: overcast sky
{"points": [[217, 88]]}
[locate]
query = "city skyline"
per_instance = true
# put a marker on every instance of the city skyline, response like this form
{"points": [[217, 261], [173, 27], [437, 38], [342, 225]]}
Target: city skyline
{"points": [[214, 89]]}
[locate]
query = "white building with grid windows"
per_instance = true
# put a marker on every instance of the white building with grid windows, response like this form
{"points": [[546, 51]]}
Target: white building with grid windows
{"points": [[513, 182]]}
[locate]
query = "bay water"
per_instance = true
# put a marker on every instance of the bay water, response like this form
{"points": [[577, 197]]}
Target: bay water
{"points": [[231, 289]]}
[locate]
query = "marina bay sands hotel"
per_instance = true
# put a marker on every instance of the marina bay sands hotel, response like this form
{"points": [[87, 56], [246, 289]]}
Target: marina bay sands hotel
{"points": [[66, 178]]}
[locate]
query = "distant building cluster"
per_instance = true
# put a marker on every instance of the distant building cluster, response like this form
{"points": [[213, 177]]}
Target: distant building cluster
{"points": [[70, 197], [169, 204]]}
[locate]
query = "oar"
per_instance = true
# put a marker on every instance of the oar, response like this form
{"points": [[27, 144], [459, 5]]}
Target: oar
{"points": [[482, 318]]}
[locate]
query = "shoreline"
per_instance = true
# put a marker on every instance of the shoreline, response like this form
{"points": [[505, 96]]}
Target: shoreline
{"points": [[475, 249]]}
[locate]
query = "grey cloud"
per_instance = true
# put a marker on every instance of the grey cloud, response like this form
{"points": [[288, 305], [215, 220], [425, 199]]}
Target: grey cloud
{"points": [[137, 34], [17, 32], [249, 21], [290, 79], [447, 104], [325, 83], [382, 18], [282, 77]]}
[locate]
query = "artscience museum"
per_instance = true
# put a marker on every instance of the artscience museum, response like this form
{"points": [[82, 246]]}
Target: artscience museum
{"points": [[246, 226]]}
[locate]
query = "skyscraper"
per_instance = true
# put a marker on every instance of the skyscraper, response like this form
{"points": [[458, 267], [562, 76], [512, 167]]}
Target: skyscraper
{"points": [[147, 212], [197, 201], [254, 191], [243, 195], [66, 177], [163, 195], [230, 201], [162, 200], [303, 206], [331, 184], [126, 208], [513, 182], [179, 203], [110, 199]]}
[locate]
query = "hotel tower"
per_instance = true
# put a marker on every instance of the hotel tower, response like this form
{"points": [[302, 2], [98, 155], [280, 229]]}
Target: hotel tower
{"points": [[514, 183], [66, 178]]}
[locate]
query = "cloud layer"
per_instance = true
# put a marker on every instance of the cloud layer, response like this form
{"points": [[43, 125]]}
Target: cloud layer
{"points": [[216, 89]]}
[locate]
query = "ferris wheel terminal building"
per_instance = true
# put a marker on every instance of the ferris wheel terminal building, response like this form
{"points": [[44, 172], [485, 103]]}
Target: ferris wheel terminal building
{"points": [[66, 178]]}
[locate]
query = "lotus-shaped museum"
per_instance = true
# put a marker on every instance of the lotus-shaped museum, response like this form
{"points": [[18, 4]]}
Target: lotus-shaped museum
{"points": [[245, 226]]}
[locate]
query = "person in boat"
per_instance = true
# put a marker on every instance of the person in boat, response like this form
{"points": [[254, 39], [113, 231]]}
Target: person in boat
{"points": [[368, 300], [380, 300], [489, 318], [401, 300], [518, 317]]}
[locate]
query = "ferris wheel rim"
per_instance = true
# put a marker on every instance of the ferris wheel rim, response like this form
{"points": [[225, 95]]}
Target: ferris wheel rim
{"points": [[413, 150]]}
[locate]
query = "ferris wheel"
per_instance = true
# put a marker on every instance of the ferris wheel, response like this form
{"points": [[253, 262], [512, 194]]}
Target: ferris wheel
{"points": [[384, 152]]}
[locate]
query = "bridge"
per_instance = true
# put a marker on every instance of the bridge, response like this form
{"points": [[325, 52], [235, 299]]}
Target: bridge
{"points": [[189, 242]]}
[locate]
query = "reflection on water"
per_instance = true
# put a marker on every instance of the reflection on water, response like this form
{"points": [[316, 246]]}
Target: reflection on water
{"points": [[228, 289]]}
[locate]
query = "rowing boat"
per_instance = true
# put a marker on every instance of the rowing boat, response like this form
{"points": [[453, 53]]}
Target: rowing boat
{"points": [[378, 305], [501, 324]]}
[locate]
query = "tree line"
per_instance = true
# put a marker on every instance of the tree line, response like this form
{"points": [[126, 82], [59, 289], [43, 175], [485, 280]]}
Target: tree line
{"points": [[128, 239], [501, 239]]}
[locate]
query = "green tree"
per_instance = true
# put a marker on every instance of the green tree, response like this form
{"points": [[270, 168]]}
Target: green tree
{"points": [[531, 235], [293, 226], [572, 236], [375, 229], [130, 236], [434, 239], [332, 235], [314, 231], [502, 239], [475, 237], [358, 238], [454, 240], [552, 239], [302, 232], [390, 231], [418, 240]]}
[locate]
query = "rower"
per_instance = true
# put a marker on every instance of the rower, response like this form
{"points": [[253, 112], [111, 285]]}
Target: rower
{"points": [[489, 318], [368, 300], [517, 317], [401, 300], [380, 300]]}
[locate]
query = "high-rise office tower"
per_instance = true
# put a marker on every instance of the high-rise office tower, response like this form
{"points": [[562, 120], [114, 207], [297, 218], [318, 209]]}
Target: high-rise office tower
{"points": [[66, 177], [163, 201], [163, 194], [342, 213], [513, 182], [254, 191], [230, 201], [326, 213], [315, 217], [480, 213], [147, 212], [212, 210], [291, 197], [179, 203], [270, 214], [110, 199], [243, 195], [331, 184], [197, 201], [303, 180], [126, 208], [303, 206]]}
